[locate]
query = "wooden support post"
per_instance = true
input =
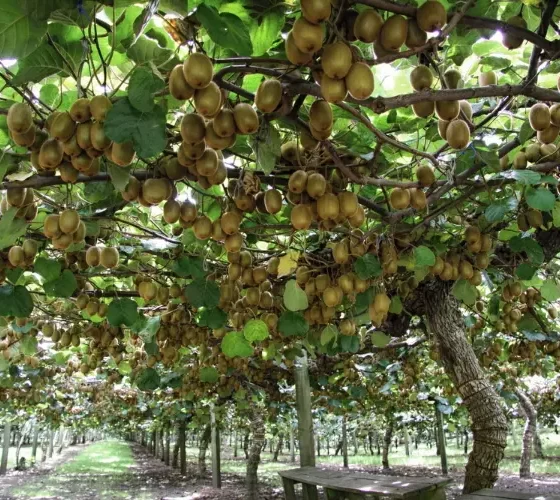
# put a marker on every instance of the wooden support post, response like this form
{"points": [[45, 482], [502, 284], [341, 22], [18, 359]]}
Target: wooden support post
{"points": [[182, 447], [60, 445], [35, 442], [305, 422], [5, 447], [344, 443], [51, 442], [292, 444], [441, 440], [215, 444]]}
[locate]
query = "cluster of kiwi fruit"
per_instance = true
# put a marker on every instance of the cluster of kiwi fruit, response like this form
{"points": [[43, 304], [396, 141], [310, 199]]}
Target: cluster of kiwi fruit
{"points": [[315, 199], [92, 305], [379, 308], [531, 153], [545, 121], [150, 290], [64, 229], [21, 198], [529, 218], [21, 256], [107, 257], [401, 198]]}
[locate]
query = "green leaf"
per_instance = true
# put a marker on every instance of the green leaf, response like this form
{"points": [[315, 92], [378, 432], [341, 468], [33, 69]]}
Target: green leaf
{"points": [[424, 256], [119, 176], [186, 267], [142, 88], [146, 130], [522, 176], [42, 62], [367, 266], [292, 323], [209, 374], [148, 332], [124, 367], [122, 312], [380, 339], [525, 132], [329, 333], [465, 292], [540, 198], [48, 268], [550, 290], [396, 306], [266, 144], [50, 94], [203, 293], [15, 301], [350, 343], [530, 246], [20, 31], [525, 271], [295, 299], [213, 318], [225, 29], [145, 50], [497, 211], [28, 345], [63, 286], [11, 228], [235, 345], [148, 380], [267, 32], [255, 330]]}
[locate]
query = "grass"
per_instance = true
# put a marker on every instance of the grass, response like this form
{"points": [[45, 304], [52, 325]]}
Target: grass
{"points": [[24, 452], [105, 457]]}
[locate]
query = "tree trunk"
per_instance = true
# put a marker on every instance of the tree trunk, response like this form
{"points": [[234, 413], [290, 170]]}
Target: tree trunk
{"points": [[202, 447], [292, 444], [175, 460], [167, 446], [35, 443], [387, 444], [344, 443], [183, 447], [279, 445], [5, 448], [246, 443], [257, 425], [489, 424], [441, 440], [235, 444], [466, 448], [370, 442], [528, 433], [406, 441], [537, 445]]}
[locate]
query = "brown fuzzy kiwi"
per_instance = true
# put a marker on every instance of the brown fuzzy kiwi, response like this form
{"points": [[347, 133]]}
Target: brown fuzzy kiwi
{"points": [[63, 127], [224, 123], [359, 81], [80, 110], [316, 11], [208, 100], [458, 134], [246, 118], [421, 78], [308, 37], [320, 115], [393, 33], [123, 154], [415, 37], [207, 164], [448, 110], [539, 116], [336, 60], [51, 154], [178, 86], [109, 257], [367, 26], [99, 107], [431, 16], [26, 139], [301, 217], [510, 41], [193, 128], [154, 191], [69, 221], [198, 70], [399, 198], [333, 90], [202, 227], [268, 95], [99, 139], [19, 118], [273, 201], [294, 55]]}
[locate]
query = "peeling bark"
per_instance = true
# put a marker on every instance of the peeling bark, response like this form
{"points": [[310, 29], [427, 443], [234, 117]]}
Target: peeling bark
{"points": [[257, 425], [279, 445], [528, 433], [202, 447], [387, 444]]}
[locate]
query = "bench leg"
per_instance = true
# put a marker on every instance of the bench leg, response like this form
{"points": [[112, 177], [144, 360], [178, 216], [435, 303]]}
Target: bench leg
{"points": [[342, 495], [310, 492], [437, 494], [289, 491]]}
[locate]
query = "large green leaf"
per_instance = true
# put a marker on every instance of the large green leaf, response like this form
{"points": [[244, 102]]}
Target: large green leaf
{"points": [[295, 299], [42, 62], [63, 286], [209, 374], [15, 301], [234, 345], [142, 86], [266, 144], [540, 198], [225, 29], [267, 32], [255, 330], [146, 130], [21, 31], [367, 266], [465, 292], [203, 293], [424, 256], [119, 175], [530, 246], [11, 228], [292, 323], [122, 312], [49, 269], [148, 380]]}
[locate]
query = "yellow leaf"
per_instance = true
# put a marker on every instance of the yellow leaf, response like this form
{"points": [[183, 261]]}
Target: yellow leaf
{"points": [[288, 263]]}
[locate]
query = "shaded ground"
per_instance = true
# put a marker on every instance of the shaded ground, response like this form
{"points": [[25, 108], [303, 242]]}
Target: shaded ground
{"points": [[118, 470]]}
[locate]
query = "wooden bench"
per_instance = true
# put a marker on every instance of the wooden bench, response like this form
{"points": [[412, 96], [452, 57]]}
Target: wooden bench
{"points": [[349, 485], [489, 494]]}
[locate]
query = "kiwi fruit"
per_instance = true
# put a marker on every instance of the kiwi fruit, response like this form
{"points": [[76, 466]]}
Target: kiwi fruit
{"points": [[510, 41], [69, 221], [207, 164], [431, 16], [82, 162], [348, 203], [51, 229], [393, 33], [539, 116], [80, 111], [466, 109], [534, 218], [214, 141], [367, 26], [193, 151], [198, 70], [399, 198], [307, 141], [202, 227], [421, 78], [320, 115], [316, 11], [453, 78], [99, 139], [555, 114], [336, 60], [548, 135], [442, 129], [415, 37], [520, 160], [83, 135], [328, 206], [71, 147], [178, 86], [423, 109], [359, 81], [487, 78], [447, 110], [294, 55], [79, 235], [308, 37], [246, 118], [208, 100], [230, 222], [193, 128], [19, 118], [273, 201], [219, 176], [154, 191], [297, 182], [458, 134], [51, 154], [15, 197], [123, 153], [301, 217], [333, 90], [26, 139], [173, 169], [99, 107], [417, 199], [188, 212], [63, 127], [109, 257], [533, 153], [16, 256], [292, 152], [268, 95], [316, 185], [68, 173]]}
